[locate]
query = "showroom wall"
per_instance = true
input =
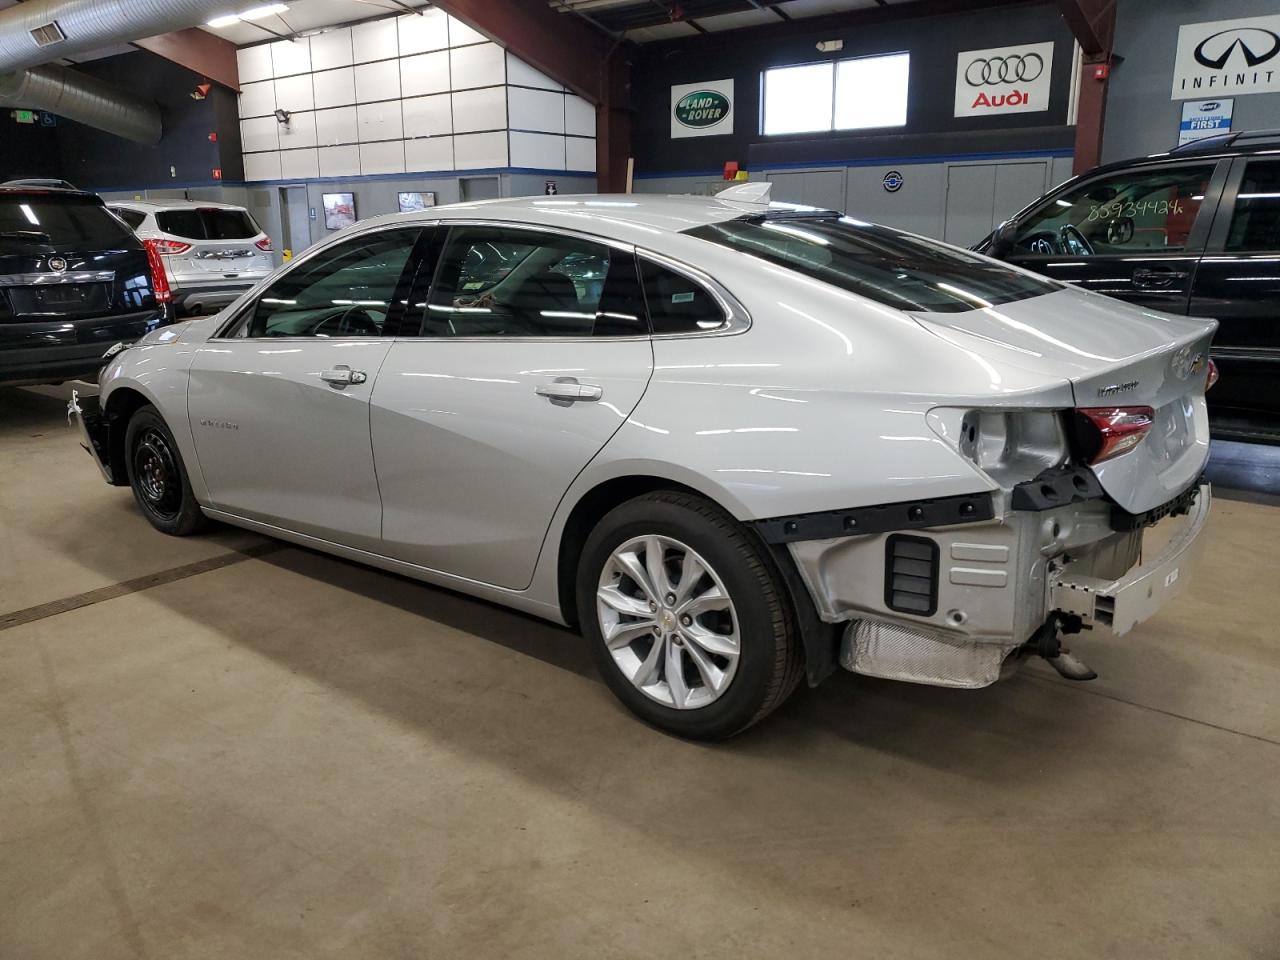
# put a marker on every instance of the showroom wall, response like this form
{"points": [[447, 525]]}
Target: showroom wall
{"points": [[951, 185], [1141, 116], [404, 94]]}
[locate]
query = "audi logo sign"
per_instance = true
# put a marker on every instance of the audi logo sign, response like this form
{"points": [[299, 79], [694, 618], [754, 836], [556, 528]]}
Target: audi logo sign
{"points": [[1225, 57], [1004, 80]]}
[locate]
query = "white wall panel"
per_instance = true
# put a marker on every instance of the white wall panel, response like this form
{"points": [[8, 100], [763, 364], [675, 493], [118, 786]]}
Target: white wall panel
{"points": [[545, 151], [374, 41], [336, 126], [427, 116], [378, 81], [331, 49], [299, 164], [382, 157], [460, 34], [418, 34], [259, 133], [424, 73], [379, 121], [334, 88], [339, 161], [579, 117], [262, 166], [579, 154], [519, 72], [257, 99], [472, 151], [539, 110], [484, 109], [300, 131], [294, 93], [480, 66], [290, 57], [433, 153], [254, 63]]}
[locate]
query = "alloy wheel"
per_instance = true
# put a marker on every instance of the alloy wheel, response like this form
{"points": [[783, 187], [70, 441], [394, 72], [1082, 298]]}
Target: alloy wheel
{"points": [[668, 622]]}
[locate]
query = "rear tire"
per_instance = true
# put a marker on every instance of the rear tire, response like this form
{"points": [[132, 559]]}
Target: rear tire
{"points": [[702, 639], [158, 476]]}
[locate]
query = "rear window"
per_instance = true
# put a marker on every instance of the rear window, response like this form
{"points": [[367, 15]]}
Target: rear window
{"points": [[884, 265], [208, 224], [61, 222]]}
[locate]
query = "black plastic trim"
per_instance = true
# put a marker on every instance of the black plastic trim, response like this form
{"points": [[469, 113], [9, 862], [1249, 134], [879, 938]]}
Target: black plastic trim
{"points": [[883, 518], [1057, 487], [934, 561], [1122, 519]]}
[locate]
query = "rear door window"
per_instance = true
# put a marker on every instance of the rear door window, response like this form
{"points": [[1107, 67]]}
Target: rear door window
{"points": [[1255, 224], [208, 224], [59, 222], [1137, 212]]}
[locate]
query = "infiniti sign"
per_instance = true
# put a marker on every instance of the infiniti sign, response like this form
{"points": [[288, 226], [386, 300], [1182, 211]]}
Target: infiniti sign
{"points": [[1226, 57]]}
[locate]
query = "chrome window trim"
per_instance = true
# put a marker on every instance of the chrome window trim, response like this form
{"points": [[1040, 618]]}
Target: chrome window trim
{"points": [[737, 319], [45, 279]]}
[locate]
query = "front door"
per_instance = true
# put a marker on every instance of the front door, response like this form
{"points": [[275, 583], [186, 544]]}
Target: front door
{"points": [[279, 405], [533, 352], [1136, 235]]}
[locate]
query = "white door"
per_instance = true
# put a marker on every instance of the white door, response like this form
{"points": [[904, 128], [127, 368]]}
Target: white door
{"points": [[280, 406], [534, 352]]}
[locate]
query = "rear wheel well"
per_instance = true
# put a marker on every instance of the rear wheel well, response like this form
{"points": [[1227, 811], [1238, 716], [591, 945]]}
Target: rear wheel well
{"points": [[122, 405]]}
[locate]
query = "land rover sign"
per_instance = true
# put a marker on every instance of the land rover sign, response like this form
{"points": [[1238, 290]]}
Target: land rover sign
{"points": [[702, 109]]}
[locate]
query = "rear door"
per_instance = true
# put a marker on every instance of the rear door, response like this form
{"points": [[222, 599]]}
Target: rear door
{"points": [[279, 405], [1239, 284], [221, 245], [533, 352], [1137, 235]]}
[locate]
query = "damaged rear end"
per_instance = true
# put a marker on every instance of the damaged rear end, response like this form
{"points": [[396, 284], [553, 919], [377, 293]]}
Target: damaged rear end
{"points": [[1082, 472]]}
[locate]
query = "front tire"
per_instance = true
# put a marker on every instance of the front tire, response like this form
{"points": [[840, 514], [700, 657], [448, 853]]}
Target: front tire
{"points": [[158, 476], [687, 617]]}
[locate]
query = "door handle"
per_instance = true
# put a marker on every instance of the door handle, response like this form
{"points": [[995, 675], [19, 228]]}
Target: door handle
{"points": [[342, 375], [1157, 277], [566, 390]]}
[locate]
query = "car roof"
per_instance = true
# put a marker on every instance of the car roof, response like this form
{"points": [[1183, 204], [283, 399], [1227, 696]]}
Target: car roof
{"points": [[152, 206], [632, 217], [1245, 143]]}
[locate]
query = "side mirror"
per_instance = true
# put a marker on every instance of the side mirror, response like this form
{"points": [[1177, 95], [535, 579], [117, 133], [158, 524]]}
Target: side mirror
{"points": [[1003, 240]]}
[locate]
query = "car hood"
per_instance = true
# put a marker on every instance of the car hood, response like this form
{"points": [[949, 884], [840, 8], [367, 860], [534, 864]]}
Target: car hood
{"points": [[187, 331]]}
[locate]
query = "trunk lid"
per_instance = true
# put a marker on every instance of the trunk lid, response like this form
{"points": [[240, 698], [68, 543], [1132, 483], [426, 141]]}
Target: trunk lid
{"points": [[222, 244], [1113, 354]]}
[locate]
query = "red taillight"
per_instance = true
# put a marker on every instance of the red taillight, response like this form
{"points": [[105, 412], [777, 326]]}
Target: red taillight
{"points": [[1118, 429], [159, 279], [169, 248], [1211, 377], [263, 244]]}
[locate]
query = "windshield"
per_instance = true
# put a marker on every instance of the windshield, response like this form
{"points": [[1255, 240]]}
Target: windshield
{"points": [[61, 222], [208, 224], [887, 266]]}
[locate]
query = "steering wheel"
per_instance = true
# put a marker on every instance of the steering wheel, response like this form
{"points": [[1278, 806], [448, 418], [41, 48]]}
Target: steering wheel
{"points": [[1074, 242], [355, 321]]}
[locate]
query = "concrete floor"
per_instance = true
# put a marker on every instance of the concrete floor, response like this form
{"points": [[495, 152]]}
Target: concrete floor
{"points": [[285, 755]]}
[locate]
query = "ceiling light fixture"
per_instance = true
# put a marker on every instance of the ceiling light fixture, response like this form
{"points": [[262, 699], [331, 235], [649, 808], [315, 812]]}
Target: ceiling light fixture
{"points": [[253, 13]]}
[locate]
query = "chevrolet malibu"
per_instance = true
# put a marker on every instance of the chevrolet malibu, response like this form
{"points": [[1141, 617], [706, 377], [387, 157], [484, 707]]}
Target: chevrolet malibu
{"points": [[738, 444]]}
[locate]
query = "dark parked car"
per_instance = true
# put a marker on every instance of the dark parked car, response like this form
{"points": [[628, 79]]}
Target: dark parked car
{"points": [[1195, 230], [74, 281]]}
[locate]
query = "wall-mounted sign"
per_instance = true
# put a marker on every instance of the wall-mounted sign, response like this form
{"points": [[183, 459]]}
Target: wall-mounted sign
{"points": [[24, 116], [1004, 80], [1204, 118], [702, 109], [893, 181], [1226, 57], [411, 201], [549, 189]]}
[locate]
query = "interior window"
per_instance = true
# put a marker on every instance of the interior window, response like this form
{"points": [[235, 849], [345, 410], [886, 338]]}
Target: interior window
{"points": [[345, 291], [1256, 222], [1142, 211], [498, 282], [676, 303]]}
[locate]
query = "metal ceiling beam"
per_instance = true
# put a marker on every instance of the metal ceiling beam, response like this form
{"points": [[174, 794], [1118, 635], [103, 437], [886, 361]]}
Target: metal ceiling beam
{"points": [[572, 52], [1093, 22]]}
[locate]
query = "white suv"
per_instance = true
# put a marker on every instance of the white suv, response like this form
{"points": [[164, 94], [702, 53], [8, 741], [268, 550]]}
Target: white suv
{"points": [[212, 252]]}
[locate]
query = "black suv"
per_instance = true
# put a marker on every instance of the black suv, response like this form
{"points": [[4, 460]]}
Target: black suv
{"points": [[74, 280], [1195, 230]]}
